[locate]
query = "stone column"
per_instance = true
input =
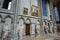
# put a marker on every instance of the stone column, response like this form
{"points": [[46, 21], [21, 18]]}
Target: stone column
{"points": [[15, 19], [41, 19], [52, 14], [32, 30]]}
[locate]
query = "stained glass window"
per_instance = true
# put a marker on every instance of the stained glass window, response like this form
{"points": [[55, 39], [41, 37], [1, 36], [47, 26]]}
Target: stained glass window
{"points": [[56, 14], [44, 9]]}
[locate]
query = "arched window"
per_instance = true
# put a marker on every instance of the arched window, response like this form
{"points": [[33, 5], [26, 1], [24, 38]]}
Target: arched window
{"points": [[7, 4], [44, 9], [8, 24], [56, 14], [21, 22], [8, 20]]}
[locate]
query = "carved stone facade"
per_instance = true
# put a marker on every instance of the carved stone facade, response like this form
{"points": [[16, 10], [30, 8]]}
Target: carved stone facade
{"points": [[15, 25]]}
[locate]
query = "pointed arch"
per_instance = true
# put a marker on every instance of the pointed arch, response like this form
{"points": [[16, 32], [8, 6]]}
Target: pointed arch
{"points": [[21, 18], [8, 17], [28, 20]]}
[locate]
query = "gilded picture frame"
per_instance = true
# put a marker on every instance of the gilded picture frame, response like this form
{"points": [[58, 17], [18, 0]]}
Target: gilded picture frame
{"points": [[35, 10], [25, 11]]}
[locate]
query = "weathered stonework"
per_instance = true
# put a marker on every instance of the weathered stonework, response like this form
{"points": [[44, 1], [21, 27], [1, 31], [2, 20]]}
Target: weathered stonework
{"points": [[13, 22]]}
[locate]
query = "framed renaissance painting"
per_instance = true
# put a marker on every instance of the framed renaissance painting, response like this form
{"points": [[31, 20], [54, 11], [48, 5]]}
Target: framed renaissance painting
{"points": [[25, 11], [35, 10]]}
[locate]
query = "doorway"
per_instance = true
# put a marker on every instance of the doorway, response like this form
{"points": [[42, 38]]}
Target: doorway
{"points": [[27, 29]]}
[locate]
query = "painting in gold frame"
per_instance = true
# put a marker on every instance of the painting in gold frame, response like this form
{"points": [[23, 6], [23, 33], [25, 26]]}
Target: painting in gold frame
{"points": [[25, 11], [35, 10]]}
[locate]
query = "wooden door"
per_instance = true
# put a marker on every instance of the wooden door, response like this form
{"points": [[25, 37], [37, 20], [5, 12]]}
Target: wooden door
{"points": [[27, 29]]}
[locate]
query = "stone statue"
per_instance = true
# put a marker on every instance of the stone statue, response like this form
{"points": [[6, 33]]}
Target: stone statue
{"points": [[20, 32], [6, 30], [46, 28], [38, 30], [51, 28]]}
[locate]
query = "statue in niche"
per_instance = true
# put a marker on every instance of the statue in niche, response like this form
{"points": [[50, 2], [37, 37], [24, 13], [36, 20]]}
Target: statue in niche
{"points": [[6, 28], [20, 31], [5, 32], [38, 30], [46, 28], [51, 26]]}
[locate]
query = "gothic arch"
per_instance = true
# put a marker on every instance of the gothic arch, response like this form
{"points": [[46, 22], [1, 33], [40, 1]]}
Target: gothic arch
{"points": [[21, 18], [28, 20], [8, 16], [21, 26]]}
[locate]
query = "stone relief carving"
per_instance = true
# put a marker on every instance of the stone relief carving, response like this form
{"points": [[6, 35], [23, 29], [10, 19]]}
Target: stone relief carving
{"points": [[38, 28], [6, 28], [5, 32], [20, 33], [46, 28], [51, 26], [20, 29]]}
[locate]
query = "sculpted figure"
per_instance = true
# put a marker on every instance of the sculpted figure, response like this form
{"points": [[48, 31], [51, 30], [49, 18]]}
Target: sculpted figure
{"points": [[20, 31], [6, 30], [38, 30], [46, 28], [51, 28], [0, 29]]}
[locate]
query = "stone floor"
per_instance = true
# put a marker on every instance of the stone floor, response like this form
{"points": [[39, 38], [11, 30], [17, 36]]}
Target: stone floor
{"points": [[47, 37]]}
